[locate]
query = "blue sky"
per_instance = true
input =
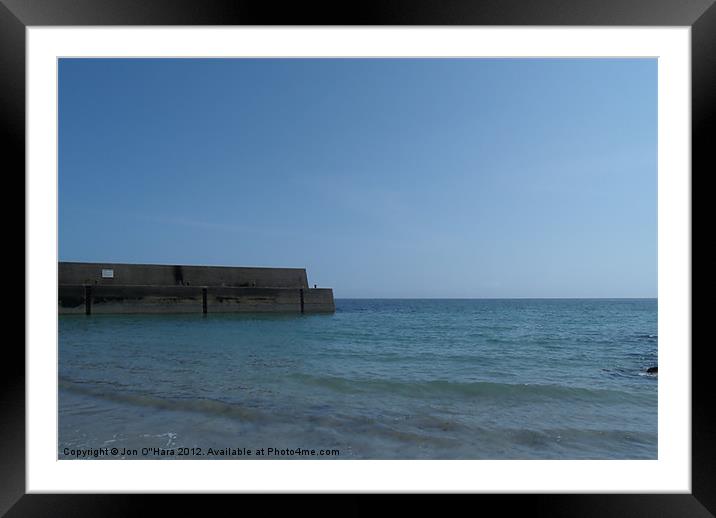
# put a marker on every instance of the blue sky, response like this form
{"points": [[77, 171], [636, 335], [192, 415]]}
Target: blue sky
{"points": [[382, 177]]}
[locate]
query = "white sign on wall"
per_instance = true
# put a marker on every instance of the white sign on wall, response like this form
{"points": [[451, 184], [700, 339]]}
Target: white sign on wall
{"points": [[108, 274]]}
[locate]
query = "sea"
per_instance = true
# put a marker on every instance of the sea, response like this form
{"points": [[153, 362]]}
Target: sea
{"points": [[378, 379]]}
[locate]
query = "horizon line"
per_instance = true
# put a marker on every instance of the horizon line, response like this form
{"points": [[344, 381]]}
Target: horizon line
{"points": [[498, 298]]}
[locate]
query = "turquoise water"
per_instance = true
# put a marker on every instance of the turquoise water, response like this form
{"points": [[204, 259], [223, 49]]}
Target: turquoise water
{"points": [[379, 379]]}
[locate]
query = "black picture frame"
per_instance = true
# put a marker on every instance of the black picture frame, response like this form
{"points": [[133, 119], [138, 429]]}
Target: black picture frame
{"points": [[700, 15]]}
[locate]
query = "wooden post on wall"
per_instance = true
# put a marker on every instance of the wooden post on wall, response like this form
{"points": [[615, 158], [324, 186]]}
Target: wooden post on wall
{"points": [[88, 300]]}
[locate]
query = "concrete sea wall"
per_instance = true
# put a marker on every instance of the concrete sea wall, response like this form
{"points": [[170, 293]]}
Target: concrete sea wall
{"points": [[101, 288], [180, 275]]}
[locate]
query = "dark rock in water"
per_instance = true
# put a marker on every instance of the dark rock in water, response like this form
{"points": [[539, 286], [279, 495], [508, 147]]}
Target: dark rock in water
{"points": [[652, 370]]}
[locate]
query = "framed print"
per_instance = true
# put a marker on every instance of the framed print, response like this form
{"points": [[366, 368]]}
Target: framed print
{"points": [[500, 198]]}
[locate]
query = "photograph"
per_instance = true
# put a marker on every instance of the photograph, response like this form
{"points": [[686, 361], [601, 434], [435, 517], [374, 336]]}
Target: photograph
{"points": [[410, 249], [357, 258]]}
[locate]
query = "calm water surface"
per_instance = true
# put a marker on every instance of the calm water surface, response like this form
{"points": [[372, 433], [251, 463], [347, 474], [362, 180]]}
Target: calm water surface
{"points": [[379, 379]]}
